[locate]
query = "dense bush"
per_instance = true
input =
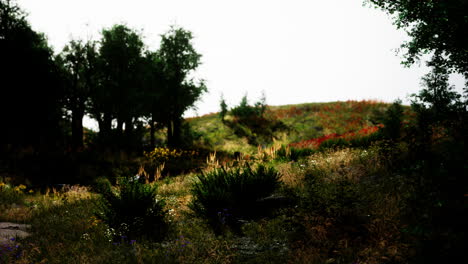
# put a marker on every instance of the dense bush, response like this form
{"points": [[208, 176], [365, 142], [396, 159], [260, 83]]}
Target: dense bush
{"points": [[392, 121], [11, 195], [245, 111], [173, 161], [132, 210], [225, 195], [292, 154], [358, 142], [251, 122]]}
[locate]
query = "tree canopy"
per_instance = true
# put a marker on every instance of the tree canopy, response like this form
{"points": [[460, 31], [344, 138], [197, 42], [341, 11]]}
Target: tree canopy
{"points": [[115, 80], [78, 61], [179, 59], [31, 91], [433, 26]]}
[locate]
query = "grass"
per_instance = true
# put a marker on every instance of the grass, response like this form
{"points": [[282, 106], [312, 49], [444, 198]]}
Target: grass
{"points": [[304, 121], [65, 230], [334, 205]]}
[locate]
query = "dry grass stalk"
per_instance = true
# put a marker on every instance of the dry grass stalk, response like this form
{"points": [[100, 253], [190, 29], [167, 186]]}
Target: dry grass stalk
{"points": [[158, 171], [142, 172], [211, 161], [267, 153]]}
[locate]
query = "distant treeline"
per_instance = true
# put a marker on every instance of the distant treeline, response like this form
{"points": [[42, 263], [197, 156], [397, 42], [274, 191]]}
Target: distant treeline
{"points": [[116, 80]]}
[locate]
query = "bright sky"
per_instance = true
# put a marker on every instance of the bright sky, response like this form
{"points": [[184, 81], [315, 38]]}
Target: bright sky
{"points": [[296, 51]]}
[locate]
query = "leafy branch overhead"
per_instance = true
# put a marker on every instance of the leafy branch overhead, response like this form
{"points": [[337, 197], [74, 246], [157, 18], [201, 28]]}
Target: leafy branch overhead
{"points": [[433, 26]]}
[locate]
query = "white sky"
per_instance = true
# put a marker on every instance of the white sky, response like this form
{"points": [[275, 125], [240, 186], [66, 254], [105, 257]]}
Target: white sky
{"points": [[296, 51]]}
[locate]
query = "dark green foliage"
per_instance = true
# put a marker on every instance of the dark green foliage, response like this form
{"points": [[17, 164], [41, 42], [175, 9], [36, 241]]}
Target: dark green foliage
{"points": [[179, 59], [9, 196], [31, 91], [224, 195], [224, 109], [438, 26], [250, 122], [392, 121], [436, 166], [121, 56], [78, 62], [133, 210], [358, 142], [334, 143], [243, 112], [337, 198], [293, 154]]}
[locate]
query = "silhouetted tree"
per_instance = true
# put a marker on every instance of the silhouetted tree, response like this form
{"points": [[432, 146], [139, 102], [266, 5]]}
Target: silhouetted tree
{"points": [[154, 80], [224, 108], [79, 62], [121, 55], [31, 91], [179, 60]]}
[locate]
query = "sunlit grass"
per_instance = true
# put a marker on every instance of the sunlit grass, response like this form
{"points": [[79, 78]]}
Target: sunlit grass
{"points": [[65, 228]]}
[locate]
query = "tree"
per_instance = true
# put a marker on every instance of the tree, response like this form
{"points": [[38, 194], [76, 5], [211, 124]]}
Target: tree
{"points": [[153, 100], [434, 26], [179, 60], [224, 108], [121, 55], [31, 91], [79, 62]]}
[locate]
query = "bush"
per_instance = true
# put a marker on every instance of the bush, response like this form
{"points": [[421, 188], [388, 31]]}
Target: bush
{"points": [[133, 211], [11, 195], [174, 161], [293, 154], [224, 196], [334, 143]]}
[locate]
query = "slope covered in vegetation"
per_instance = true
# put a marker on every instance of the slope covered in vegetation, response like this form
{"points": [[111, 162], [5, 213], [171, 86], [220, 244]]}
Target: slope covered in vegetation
{"points": [[299, 123]]}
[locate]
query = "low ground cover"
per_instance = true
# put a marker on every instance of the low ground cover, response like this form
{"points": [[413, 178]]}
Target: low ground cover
{"points": [[386, 198], [342, 205]]}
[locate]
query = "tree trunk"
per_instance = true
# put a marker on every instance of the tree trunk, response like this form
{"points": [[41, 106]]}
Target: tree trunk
{"points": [[128, 134], [173, 133], [170, 133], [128, 128], [105, 125], [152, 131], [77, 128], [120, 123]]}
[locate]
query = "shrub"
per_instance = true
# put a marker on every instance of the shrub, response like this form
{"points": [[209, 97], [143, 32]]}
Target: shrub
{"points": [[225, 195], [292, 154], [10, 195], [133, 211], [334, 143], [174, 161]]}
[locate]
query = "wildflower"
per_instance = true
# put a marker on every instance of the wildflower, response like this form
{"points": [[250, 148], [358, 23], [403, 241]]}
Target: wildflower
{"points": [[85, 236]]}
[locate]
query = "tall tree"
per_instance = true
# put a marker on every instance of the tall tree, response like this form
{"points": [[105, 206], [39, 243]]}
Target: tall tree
{"points": [[154, 81], [121, 61], [433, 26], [30, 86], [179, 60], [79, 62]]}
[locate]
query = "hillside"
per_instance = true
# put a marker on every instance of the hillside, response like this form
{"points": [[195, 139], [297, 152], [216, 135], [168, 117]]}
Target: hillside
{"points": [[301, 122]]}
